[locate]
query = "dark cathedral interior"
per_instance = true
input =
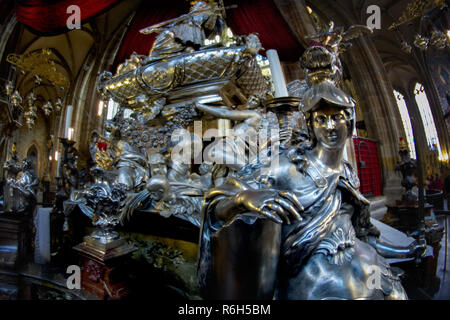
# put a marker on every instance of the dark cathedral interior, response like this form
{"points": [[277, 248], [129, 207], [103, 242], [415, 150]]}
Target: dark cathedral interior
{"points": [[224, 150]]}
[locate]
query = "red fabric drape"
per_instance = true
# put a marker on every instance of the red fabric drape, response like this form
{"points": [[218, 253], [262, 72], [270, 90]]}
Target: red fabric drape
{"points": [[366, 151], [48, 17], [148, 13], [264, 18], [260, 16]]}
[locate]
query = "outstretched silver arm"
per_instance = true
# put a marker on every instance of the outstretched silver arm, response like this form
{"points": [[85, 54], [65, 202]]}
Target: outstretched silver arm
{"points": [[415, 249], [225, 113]]}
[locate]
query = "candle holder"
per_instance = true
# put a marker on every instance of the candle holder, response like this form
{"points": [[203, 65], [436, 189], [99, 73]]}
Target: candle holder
{"points": [[287, 110]]}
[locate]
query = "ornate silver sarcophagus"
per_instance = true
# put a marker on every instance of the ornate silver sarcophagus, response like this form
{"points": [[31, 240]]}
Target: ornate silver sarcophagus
{"points": [[184, 76]]}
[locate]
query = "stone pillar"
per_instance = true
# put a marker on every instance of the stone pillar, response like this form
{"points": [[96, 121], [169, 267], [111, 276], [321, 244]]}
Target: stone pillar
{"points": [[416, 123], [298, 18], [437, 109], [436, 102], [85, 96], [377, 102]]}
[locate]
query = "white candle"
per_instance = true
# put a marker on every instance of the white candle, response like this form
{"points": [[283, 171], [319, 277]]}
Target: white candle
{"points": [[70, 136], [58, 164], [277, 74], [69, 110]]}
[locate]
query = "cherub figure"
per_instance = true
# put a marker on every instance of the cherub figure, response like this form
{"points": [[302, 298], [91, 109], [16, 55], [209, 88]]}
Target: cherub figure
{"points": [[231, 151]]}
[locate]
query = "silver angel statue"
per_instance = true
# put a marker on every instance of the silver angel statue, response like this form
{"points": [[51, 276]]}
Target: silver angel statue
{"points": [[11, 168], [23, 189]]}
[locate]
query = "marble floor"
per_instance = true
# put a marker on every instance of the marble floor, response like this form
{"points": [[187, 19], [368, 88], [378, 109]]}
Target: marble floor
{"points": [[429, 280]]}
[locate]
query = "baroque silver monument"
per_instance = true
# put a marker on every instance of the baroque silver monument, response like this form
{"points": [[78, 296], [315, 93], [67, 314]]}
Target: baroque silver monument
{"points": [[279, 210]]}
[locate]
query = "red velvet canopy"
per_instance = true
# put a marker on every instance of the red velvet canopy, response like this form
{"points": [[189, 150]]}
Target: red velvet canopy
{"points": [[260, 16], [264, 18], [50, 16]]}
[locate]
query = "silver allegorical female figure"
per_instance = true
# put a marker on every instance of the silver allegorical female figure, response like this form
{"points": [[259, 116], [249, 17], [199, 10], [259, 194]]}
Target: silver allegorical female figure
{"points": [[302, 232]]}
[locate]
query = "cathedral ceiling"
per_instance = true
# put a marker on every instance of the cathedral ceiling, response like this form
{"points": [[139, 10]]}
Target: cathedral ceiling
{"points": [[68, 50], [400, 65]]}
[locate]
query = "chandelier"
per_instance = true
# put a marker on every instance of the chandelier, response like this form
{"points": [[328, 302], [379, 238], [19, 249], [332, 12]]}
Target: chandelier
{"points": [[39, 64], [429, 12], [42, 67], [28, 106]]}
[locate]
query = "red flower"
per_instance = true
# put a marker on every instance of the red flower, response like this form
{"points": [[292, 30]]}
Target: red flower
{"points": [[102, 146]]}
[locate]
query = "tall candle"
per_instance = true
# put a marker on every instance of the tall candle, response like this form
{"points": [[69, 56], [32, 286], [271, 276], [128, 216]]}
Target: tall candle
{"points": [[277, 74], [69, 110], [58, 164]]}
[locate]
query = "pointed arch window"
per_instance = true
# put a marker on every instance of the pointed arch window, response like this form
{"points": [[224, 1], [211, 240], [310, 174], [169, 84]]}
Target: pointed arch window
{"points": [[427, 119], [403, 109]]}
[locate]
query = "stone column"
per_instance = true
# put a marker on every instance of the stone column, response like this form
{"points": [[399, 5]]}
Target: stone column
{"points": [[86, 97], [298, 18], [436, 107], [378, 105], [416, 123]]}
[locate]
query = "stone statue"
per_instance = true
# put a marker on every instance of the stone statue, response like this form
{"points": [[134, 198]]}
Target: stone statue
{"points": [[11, 169], [23, 189], [70, 173], [408, 168], [298, 227]]}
